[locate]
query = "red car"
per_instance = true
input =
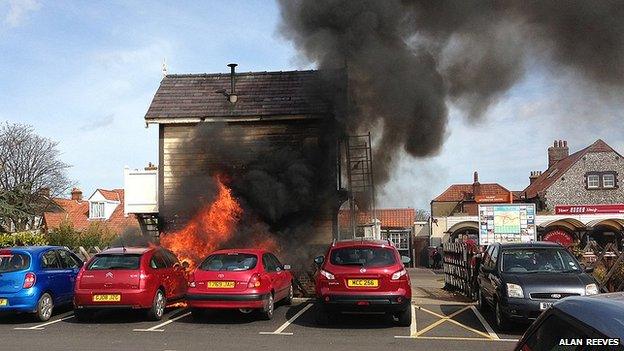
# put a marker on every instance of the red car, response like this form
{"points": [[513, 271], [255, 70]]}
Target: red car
{"points": [[247, 280], [363, 275], [137, 278]]}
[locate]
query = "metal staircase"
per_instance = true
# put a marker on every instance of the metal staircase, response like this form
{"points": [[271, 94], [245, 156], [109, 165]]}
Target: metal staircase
{"points": [[360, 182]]}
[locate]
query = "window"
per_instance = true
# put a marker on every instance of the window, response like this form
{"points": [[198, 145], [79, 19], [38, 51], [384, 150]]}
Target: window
{"points": [[268, 263], [230, 262], [608, 180], [96, 210], [158, 260], [399, 239], [365, 256], [593, 181], [11, 262], [49, 260], [110, 262], [68, 260]]}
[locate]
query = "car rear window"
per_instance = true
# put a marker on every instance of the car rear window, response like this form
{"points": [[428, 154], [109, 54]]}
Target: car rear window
{"points": [[363, 256], [12, 261], [229, 262], [109, 262]]}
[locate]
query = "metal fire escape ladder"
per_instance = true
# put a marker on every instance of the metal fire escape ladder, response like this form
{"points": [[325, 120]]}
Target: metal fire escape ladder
{"points": [[360, 183]]}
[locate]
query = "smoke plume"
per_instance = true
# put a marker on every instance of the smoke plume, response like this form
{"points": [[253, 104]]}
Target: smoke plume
{"points": [[406, 60]]}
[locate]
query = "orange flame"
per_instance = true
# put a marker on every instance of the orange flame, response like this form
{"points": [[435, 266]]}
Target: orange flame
{"points": [[212, 226]]}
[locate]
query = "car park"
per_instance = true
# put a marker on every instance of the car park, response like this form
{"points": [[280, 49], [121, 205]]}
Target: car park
{"points": [[136, 278], [363, 276], [37, 279], [247, 280], [578, 323], [520, 280]]}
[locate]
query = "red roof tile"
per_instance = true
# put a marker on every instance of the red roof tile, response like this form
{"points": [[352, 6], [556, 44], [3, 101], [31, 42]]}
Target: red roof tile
{"points": [[465, 192], [393, 218], [548, 177], [77, 212]]}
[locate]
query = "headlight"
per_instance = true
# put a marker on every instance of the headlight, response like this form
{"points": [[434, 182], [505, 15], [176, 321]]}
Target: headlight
{"points": [[514, 290], [591, 289]]}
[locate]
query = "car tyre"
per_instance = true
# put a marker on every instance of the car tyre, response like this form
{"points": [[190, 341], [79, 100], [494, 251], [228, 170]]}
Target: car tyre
{"points": [[45, 305], [481, 303], [502, 322], [291, 294], [83, 315], [155, 313], [403, 318], [269, 308]]}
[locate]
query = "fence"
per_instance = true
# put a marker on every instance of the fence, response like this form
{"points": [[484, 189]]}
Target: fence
{"points": [[459, 272]]}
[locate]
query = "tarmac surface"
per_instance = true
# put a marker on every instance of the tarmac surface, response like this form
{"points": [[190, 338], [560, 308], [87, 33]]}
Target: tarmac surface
{"points": [[441, 320]]}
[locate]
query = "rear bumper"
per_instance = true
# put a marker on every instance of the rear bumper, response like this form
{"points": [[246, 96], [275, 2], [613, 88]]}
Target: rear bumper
{"points": [[129, 299], [24, 300], [371, 303], [226, 301]]}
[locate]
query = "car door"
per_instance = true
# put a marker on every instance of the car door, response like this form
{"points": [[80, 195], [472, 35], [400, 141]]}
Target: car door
{"points": [[70, 266], [178, 275], [483, 278], [271, 269], [162, 271], [494, 277], [548, 332], [281, 277], [52, 275]]}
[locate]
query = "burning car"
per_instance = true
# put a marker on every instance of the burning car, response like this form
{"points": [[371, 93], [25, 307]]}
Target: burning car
{"points": [[247, 280]]}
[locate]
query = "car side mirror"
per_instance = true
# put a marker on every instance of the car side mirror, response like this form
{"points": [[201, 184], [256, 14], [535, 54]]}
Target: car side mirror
{"points": [[405, 259], [286, 267], [318, 260]]}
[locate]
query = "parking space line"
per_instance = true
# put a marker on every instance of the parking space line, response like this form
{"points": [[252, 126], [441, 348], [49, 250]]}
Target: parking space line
{"points": [[41, 326], [450, 320], [485, 324], [279, 331], [155, 328], [414, 326], [457, 338]]}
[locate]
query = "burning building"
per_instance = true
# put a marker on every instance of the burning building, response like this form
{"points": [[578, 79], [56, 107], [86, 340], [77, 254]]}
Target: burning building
{"points": [[246, 159]]}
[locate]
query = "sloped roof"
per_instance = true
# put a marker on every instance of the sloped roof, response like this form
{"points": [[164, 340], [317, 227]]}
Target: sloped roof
{"points": [[77, 212], [259, 94], [554, 172], [389, 217], [461, 192], [112, 195]]}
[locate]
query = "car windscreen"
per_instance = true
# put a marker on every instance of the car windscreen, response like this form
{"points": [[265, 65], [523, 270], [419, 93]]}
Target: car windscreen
{"points": [[363, 256], [110, 262], [229, 262], [12, 261], [538, 261]]}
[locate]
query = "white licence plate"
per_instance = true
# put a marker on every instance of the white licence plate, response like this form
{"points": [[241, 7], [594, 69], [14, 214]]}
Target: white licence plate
{"points": [[545, 305]]}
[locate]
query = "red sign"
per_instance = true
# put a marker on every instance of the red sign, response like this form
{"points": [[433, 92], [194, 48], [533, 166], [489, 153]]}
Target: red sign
{"points": [[559, 236], [589, 209], [500, 198]]}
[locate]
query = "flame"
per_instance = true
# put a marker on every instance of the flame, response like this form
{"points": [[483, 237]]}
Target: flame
{"points": [[207, 230]]}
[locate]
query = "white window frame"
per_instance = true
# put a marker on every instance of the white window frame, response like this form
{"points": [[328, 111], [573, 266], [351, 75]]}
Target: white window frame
{"points": [[612, 180], [97, 210], [396, 236], [593, 181]]}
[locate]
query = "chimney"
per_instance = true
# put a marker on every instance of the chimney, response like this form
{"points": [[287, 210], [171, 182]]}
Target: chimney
{"points": [[475, 177], [151, 167], [534, 175], [76, 194], [557, 152], [232, 95]]}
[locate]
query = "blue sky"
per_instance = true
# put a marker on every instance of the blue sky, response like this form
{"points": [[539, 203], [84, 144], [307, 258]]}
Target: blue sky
{"points": [[84, 73]]}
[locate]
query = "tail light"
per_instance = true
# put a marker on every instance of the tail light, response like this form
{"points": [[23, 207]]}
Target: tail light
{"points": [[29, 280], [254, 281], [142, 279], [397, 275], [327, 275]]}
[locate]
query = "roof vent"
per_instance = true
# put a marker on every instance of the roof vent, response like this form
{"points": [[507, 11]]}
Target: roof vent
{"points": [[231, 96]]}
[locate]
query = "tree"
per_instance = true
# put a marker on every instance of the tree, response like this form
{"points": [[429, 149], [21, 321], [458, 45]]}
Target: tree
{"points": [[422, 215], [30, 172]]}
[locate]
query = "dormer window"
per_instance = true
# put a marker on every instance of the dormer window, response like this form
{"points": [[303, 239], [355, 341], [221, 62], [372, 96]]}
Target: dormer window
{"points": [[593, 181], [96, 210], [608, 180], [601, 180]]}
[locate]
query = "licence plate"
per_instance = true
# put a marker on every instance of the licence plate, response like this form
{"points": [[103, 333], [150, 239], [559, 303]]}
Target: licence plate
{"points": [[363, 282], [220, 285], [4, 302], [107, 298], [545, 305]]}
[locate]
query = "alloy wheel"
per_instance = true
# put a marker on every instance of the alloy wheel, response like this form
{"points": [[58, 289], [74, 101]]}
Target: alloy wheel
{"points": [[46, 307], [269, 307], [160, 304]]}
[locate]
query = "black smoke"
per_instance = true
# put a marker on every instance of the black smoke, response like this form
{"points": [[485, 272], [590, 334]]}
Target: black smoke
{"points": [[406, 60]]}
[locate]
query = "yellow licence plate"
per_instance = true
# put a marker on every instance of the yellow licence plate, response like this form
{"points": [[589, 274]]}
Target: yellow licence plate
{"points": [[363, 282], [4, 302], [107, 298], [220, 285]]}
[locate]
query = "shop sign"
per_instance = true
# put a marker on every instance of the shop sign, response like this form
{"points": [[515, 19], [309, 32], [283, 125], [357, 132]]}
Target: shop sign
{"points": [[559, 236], [589, 209]]}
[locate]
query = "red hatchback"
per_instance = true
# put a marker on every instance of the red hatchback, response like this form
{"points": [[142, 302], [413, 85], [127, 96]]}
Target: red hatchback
{"points": [[247, 280], [363, 276], [137, 278]]}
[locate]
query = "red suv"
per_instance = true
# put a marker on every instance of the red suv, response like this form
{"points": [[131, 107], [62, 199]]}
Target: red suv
{"points": [[137, 278], [363, 275], [246, 280]]}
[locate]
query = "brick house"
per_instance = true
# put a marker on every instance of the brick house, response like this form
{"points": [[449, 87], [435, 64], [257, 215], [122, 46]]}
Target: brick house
{"points": [[105, 206]]}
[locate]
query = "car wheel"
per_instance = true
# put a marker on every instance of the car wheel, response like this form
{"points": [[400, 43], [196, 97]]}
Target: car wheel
{"points": [[404, 318], [45, 305], [157, 310], [501, 320], [269, 306], [481, 303], [83, 315], [291, 293]]}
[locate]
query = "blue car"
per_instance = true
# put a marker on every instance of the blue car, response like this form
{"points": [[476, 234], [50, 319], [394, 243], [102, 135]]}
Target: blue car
{"points": [[35, 279]]}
